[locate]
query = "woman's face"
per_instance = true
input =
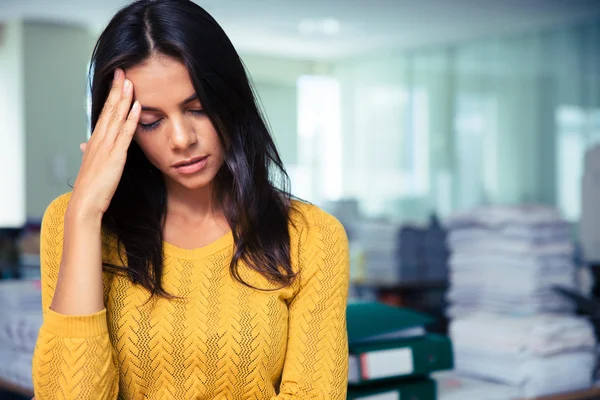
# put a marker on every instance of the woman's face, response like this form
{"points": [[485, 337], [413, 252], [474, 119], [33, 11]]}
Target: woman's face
{"points": [[173, 128]]}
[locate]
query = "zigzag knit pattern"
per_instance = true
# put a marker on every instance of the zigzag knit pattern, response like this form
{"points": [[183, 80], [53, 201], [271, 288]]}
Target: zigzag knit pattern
{"points": [[223, 340]]}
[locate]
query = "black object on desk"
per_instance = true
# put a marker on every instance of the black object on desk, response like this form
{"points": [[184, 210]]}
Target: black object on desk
{"points": [[588, 306], [4, 395]]}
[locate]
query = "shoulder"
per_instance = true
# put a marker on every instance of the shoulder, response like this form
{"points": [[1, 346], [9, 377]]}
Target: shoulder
{"points": [[319, 244], [311, 223], [52, 230], [51, 234], [55, 212]]}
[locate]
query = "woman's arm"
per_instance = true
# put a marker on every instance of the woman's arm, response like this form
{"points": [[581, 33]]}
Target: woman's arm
{"points": [[79, 284], [73, 357], [316, 363]]}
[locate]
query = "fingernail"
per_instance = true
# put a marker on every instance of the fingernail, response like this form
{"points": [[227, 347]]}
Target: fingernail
{"points": [[117, 73], [126, 85]]}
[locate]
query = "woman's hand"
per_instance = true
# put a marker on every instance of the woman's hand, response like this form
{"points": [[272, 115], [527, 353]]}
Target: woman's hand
{"points": [[105, 153]]}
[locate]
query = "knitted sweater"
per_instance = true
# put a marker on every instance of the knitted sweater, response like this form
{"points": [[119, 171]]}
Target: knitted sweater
{"points": [[222, 341]]}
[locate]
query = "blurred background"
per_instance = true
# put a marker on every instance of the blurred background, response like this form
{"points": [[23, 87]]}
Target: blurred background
{"points": [[455, 140]]}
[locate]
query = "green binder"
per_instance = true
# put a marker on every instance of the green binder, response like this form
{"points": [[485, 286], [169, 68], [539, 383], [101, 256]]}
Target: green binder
{"points": [[371, 321], [424, 389], [399, 358]]}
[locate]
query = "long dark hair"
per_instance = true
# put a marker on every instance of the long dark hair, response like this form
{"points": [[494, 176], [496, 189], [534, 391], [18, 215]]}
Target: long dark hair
{"points": [[257, 207]]}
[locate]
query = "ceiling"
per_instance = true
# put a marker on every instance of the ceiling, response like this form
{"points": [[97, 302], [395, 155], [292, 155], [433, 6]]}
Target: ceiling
{"points": [[270, 27]]}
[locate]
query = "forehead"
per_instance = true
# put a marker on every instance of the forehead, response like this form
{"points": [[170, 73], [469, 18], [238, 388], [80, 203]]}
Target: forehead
{"points": [[160, 80]]}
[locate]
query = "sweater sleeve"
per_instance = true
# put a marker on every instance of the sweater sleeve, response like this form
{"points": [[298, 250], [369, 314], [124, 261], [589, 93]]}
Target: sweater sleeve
{"points": [[73, 356], [316, 363]]}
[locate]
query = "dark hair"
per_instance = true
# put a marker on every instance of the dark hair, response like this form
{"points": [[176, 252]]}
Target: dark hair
{"points": [[257, 209]]}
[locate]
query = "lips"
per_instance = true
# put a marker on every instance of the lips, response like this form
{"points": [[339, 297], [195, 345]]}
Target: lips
{"points": [[191, 166], [189, 161]]}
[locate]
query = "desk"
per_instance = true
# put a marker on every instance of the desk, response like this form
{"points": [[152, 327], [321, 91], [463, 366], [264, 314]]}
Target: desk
{"points": [[452, 386], [593, 393]]}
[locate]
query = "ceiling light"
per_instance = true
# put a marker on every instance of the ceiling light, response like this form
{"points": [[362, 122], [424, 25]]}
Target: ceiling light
{"points": [[323, 26], [330, 26]]}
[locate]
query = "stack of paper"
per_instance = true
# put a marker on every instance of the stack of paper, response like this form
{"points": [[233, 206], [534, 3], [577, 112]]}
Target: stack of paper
{"points": [[20, 321], [507, 259], [400, 253], [454, 386], [541, 354], [379, 241], [509, 325]]}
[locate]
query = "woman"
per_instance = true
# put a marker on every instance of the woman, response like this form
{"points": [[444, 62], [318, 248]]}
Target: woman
{"points": [[176, 269]]}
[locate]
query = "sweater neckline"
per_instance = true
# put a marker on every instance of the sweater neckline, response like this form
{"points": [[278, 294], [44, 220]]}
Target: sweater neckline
{"points": [[190, 254]]}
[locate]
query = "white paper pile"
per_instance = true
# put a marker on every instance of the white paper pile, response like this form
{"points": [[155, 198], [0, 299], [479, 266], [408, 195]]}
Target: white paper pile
{"points": [[507, 259], [509, 283], [453, 386], [16, 368], [509, 325], [539, 355], [20, 321], [393, 252], [379, 242]]}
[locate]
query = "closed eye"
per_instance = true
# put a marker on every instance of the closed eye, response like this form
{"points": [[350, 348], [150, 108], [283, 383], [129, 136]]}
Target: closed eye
{"points": [[153, 125], [197, 112]]}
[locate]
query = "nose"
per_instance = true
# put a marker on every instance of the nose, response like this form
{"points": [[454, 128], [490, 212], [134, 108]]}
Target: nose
{"points": [[182, 135]]}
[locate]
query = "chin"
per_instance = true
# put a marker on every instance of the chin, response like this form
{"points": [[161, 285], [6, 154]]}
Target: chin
{"points": [[192, 183]]}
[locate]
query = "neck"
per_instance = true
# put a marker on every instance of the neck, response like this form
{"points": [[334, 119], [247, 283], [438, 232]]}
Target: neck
{"points": [[192, 205]]}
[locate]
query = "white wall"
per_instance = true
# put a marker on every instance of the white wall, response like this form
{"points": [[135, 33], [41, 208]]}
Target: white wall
{"points": [[12, 143], [488, 124], [55, 78], [279, 101], [275, 81], [42, 114], [273, 70]]}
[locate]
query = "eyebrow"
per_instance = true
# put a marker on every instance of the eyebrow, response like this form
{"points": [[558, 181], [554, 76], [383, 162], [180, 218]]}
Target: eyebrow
{"points": [[183, 103]]}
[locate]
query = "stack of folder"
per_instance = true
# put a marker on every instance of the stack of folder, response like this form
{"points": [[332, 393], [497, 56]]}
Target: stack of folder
{"points": [[391, 353]]}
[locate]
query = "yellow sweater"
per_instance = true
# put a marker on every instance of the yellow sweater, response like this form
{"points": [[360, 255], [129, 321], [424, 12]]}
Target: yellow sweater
{"points": [[224, 341]]}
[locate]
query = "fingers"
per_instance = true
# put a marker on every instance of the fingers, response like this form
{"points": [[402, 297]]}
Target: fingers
{"points": [[82, 147], [120, 112], [130, 125], [110, 105]]}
